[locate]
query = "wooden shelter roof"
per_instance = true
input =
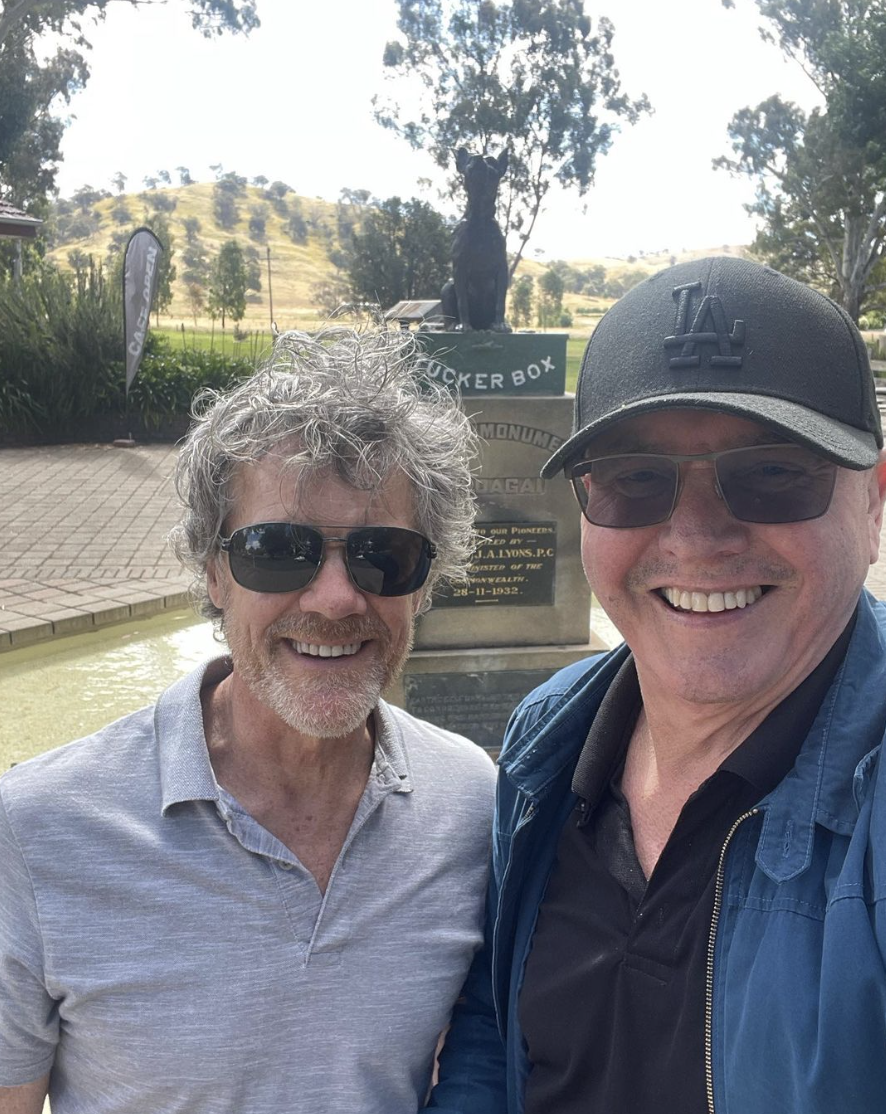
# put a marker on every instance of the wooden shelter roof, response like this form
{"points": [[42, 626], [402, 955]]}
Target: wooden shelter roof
{"points": [[16, 222]]}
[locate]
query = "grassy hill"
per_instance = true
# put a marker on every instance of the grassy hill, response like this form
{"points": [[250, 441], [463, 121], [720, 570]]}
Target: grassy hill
{"points": [[296, 268]]}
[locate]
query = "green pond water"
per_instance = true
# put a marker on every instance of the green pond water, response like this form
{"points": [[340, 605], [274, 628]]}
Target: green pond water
{"points": [[61, 690]]}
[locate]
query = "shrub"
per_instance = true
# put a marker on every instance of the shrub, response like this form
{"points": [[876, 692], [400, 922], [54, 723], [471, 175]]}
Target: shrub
{"points": [[169, 379], [62, 360], [61, 348]]}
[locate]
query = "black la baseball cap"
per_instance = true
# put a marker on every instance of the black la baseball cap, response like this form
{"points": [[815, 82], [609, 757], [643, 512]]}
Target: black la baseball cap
{"points": [[734, 336]]}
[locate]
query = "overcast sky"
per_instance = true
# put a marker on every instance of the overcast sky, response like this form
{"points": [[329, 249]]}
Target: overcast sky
{"points": [[292, 102]]}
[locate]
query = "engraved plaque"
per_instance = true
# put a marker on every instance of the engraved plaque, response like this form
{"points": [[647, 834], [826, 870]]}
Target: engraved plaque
{"points": [[531, 523], [514, 565], [477, 705]]}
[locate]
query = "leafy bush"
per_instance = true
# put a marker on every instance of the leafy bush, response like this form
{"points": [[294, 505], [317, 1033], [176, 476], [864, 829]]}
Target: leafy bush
{"points": [[61, 348], [169, 379], [62, 360]]}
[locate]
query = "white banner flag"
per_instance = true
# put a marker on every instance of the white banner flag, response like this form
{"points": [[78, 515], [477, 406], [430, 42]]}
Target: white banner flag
{"points": [[140, 273]]}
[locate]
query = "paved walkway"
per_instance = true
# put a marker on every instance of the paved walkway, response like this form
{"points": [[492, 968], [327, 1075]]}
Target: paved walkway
{"points": [[83, 531]]}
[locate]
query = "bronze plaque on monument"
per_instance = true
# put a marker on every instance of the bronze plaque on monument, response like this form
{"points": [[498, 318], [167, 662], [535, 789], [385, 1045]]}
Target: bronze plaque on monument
{"points": [[513, 565], [526, 585]]}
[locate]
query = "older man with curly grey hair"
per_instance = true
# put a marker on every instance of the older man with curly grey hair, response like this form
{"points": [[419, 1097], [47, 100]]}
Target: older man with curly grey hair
{"points": [[263, 893]]}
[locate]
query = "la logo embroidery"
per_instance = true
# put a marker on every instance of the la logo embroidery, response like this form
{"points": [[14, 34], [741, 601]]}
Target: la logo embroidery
{"points": [[708, 327]]}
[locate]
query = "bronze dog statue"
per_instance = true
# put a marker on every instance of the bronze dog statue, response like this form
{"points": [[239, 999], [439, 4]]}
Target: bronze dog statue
{"points": [[475, 296]]}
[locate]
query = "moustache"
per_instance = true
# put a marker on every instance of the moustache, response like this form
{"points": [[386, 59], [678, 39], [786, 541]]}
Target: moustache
{"points": [[312, 629]]}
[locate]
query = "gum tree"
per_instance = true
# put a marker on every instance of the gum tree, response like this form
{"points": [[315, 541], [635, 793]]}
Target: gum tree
{"points": [[33, 79], [821, 177], [535, 76]]}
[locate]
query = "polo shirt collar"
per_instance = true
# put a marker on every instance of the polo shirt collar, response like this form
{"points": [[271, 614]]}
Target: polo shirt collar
{"points": [[186, 773], [391, 756]]}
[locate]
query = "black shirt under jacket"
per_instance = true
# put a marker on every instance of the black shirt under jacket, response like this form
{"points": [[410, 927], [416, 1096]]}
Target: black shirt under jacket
{"points": [[613, 1000]]}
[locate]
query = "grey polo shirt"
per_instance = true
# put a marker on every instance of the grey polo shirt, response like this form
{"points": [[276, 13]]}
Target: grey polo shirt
{"points": [[161, 951]]}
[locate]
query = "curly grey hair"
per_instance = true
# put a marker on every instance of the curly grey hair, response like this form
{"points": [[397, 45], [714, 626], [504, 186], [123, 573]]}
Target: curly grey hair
{"points": [[351, 403]]}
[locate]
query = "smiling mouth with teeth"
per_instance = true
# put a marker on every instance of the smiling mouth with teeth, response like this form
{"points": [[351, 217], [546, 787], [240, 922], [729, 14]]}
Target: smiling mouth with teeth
{"points": [[324, 650], [682, 600]]}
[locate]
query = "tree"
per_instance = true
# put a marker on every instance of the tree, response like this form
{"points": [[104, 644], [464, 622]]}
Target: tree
{"points": [[258, 219], [595, 279], [228, 189], [620, 280], [550, 298], [33, 80], [160, 202], [529, 75], [35, 17], [227, 284], [166, 270], [401, 251], [279, 189], [821, 178], [119, 181], [252, 263], [184, 176], [85, 197], [121, 212], [330, 294], [196, 265], [30, 135], [522, 297], [224, 209], [296, 228], [196, 299]]}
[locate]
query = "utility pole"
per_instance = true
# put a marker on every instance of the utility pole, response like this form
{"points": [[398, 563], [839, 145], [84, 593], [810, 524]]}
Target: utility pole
{"points": [[270, 291]]}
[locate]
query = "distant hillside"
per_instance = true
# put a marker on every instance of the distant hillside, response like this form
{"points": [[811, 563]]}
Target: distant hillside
{"points": [[299, 231], [295, 267]]}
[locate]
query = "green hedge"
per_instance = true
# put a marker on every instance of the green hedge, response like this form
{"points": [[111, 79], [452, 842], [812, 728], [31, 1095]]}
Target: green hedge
{"points": [[62, 362]]}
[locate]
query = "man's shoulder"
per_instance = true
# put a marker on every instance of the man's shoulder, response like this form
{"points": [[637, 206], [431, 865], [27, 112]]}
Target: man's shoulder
{"points": [[570, 681], [561, 710], [85, 763], [103, 769]]}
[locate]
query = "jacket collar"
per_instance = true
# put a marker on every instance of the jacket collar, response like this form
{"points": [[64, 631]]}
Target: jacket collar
{"points": [[837, 755], [561, 711]]}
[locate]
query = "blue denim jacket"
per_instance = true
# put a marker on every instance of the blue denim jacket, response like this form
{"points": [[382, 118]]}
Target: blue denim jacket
{"points": [[796, 1008]]}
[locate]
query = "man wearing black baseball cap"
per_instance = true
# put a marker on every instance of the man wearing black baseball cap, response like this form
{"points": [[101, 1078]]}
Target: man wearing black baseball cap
{"points": [[689, 869]]}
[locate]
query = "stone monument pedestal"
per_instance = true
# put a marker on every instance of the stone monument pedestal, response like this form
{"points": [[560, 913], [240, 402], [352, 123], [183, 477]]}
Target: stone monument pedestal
{"points": [[524, 611], [474, 691]]}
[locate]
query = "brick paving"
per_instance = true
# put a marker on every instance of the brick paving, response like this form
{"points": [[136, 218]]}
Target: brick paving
{"points": [[84, 540]]}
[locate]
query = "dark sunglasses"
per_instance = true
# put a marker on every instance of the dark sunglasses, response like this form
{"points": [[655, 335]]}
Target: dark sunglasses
{"points": [[285, 556], [758, 483]]}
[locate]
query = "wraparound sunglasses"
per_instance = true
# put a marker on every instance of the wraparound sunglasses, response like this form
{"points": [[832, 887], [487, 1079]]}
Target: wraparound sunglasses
{"points": [[758, 483], [285, 557]]}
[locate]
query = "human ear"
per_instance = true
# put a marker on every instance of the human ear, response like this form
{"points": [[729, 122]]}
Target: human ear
{"points": [[215, 582], [876, 499]]}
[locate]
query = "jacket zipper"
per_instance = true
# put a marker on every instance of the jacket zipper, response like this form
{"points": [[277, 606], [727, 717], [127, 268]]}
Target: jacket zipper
{"points": [[709, 977]]}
